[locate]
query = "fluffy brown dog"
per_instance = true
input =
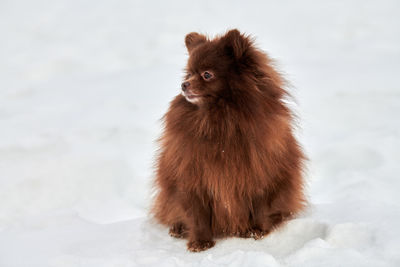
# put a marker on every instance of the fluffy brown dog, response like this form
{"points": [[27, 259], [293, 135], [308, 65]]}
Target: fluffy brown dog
{"points": [[229, 164]]}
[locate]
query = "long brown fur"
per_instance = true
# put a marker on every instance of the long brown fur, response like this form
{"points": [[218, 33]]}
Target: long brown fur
{"points": [[228, 163]]}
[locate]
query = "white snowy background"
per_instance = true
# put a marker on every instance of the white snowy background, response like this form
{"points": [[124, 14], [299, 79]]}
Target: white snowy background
{"points": [[83, 85]]}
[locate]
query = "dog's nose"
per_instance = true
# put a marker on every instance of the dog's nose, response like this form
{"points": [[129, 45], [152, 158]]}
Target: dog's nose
{"points": [[185, 86]]}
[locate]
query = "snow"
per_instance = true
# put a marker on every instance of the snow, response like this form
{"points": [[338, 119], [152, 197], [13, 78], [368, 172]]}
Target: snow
{"points": [[84, 84]]}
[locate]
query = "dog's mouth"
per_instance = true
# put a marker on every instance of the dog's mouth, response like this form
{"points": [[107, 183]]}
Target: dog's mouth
{"points": [[192, 98]]}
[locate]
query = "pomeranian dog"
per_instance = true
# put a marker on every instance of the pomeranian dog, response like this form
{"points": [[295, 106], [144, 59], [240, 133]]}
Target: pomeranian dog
{"points": [[229, 164]]}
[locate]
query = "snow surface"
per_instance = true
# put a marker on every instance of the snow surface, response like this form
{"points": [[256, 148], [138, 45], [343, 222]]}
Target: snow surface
{"points": [[84, 83]]}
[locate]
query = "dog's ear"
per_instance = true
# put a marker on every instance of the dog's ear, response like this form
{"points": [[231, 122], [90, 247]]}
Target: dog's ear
{"points": [[193, 39], [235, 43]]}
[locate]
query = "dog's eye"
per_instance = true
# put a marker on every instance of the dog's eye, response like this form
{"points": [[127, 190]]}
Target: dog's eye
{"points": [[207, 75]]}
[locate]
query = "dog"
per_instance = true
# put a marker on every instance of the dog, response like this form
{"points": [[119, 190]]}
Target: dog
{"points": [[228, 163]]}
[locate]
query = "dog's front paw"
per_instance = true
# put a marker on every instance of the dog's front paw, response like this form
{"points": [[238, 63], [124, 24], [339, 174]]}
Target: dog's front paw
{"points": [[200, 245], [255, 233], [259, 234]]}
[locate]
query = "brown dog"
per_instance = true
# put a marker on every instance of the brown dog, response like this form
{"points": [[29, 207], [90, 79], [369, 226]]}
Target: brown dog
{"points": [[229, 164]]}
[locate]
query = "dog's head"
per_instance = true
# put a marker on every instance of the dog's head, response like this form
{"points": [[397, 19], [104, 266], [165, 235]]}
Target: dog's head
{"points": [[214, 65]]}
